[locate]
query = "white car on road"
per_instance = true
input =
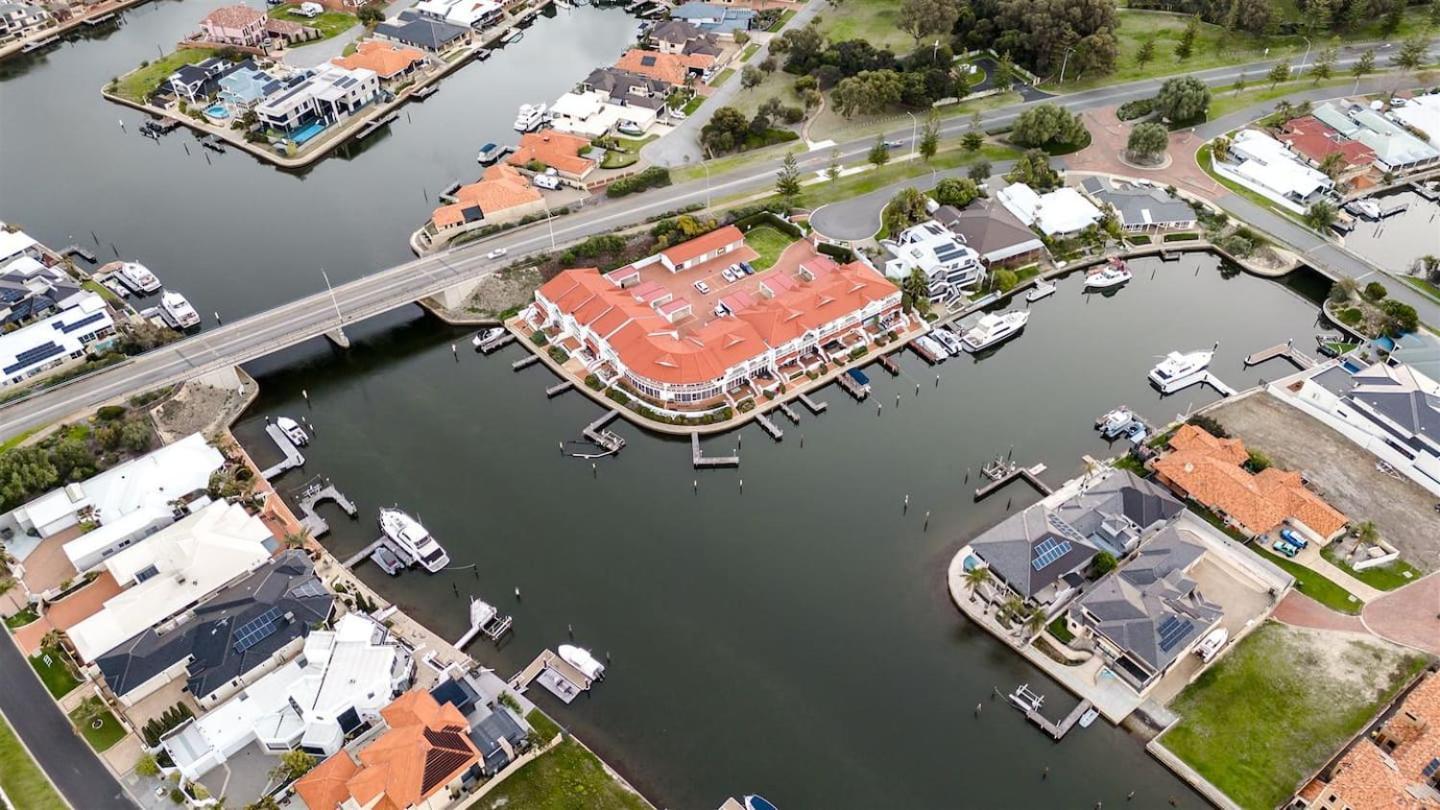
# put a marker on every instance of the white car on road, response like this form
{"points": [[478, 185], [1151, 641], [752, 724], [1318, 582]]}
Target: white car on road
{"points": [[702, 287], [495, 254]]}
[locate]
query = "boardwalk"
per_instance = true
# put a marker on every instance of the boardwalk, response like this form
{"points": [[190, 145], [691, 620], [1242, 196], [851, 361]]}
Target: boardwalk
{"points": [[701, 461], [770, 427], [1286, 350], [1058, 730], [315, 493], [1029, 475], [293, 457]]}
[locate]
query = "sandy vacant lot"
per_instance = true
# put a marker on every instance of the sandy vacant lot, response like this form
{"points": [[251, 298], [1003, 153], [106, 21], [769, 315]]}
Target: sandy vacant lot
{"points": [[1341, 472]]}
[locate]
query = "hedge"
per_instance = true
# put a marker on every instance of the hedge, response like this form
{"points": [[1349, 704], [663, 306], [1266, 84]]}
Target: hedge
{"points": [[767, 218], [840, 254], [653, 177], [1138, 108]]}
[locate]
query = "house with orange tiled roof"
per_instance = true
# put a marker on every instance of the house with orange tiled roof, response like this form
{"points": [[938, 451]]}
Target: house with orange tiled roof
{"points": [[557, 150], [235, 25], [677, 69], [424, 753], [1315, 141], [502, 195], [393, 63], [1395, 768], [1210, 471], [638, 334]]}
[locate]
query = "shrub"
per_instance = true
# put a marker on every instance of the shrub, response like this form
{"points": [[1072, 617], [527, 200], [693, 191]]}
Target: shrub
{"points": [[592, 382], [1374, 291], [558, 354], [618, 396], [859, 352], [746, 405], [1208, 424], [1139, 108], [1005, 279], [538, 338], [110, 413], [1350, 316], [1257, 462], [1104, 563], [653, 177]]}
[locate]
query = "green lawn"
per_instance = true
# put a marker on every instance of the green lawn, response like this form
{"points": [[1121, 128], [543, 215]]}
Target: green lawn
{"points": [[543, 725], [140, 83], [108, 732], [785, 18], [1279, 704], [1313, 585], [104, 292], [769, 243], [1059, 630], [749, 51], [1385, 577], [567, 777], [1424, 286], [693, 104], [58, 679], [22, 618], [722, 77], [871, 20], [328, 23], [817, 194], [22, 779]]}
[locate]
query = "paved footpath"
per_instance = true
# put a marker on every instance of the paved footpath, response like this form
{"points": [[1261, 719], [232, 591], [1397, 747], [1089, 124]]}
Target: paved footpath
{"points": [[1410, 615], [1302, 611], [62, 753]]}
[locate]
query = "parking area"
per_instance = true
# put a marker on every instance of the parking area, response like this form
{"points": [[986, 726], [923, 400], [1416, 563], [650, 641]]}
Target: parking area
{"points": [[1339, 471], [244, 777]]}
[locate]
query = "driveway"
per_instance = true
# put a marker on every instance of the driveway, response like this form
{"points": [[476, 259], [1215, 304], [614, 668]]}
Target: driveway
{"points": [[62, 754], [1108, 136], [858, 218], [1410, 615]]}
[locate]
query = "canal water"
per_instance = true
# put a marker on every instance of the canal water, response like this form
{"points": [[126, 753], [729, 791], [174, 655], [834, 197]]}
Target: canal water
{"points": [[1397, 241], [233, 234], [793, 636]]}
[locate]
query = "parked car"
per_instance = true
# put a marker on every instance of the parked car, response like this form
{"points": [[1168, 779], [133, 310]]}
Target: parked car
{"points": [[749, 271], [702, 287], [1285, 548], [678, 115], [721, 311], [546, 181], [728, 275], [1294, 538], [495, 254], [308, 10]]}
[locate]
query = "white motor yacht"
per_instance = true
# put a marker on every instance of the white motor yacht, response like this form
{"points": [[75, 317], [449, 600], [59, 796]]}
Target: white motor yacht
{"points": [[1112, 274], [414, 539], [1041, 290], [581, 659], [486, 335], [177, 311], [993, 329], [530, 116], [1113, 423], [293, 431], [934, 347], [947, 339], [1178, 367], [138, 278]]}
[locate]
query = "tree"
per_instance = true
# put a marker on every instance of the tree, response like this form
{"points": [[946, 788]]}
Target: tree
{"points": [[1033, 169], [930, 137], [1104, 563], [1034, 621], [1185, 48], [1038, 33], [1004, 72], [24, 472], [1390, 23], [979, 171], [879, 152], [1048, 124], [787, 179], [1278, 74], [802, 47], [1220, 147], [1364, 65], [751, 76], [1333, 165], [975, 577], [1147, 142], [293, 765], [1374, 291], [1146, 52], [1004, 279], [832, 171], [974, 137], [725, 131], [924, 18], [916, 289], [147, 766], [1324, 66], [89, 711], [1238, 86], [867, 92], [1427, 266], [371, 13], [1320, 215], [956, 191], [1400, 318], [1412, 52], [908, 207], [1183, 99], [263, 803], [298, 539], [1366, 532]]}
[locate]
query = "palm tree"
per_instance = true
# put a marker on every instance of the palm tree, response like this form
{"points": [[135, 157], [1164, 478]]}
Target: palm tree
{"points": [[976, 577], [1034, 622], [1321, 215], [298, 539], [89, 710], [1367, 533]]}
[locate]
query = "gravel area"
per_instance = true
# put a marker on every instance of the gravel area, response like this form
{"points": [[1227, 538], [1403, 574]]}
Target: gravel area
{"points": [[507, 289], [1341, 472], [200, 408]]}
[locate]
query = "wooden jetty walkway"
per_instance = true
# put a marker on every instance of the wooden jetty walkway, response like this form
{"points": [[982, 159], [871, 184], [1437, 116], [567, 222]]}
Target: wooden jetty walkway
{"points": [[383, 542], [596, 432], [559, 388], [925, 354], [383, 121], [770, 427], [312, 495], [1201, 378], [1030, 475], [496, 342], [525, 362], [1060, 729], [700, 460], [789, 412], [815, 407], [571, 681], [1286, 350], [293, 457], [887, 362], [76, 250]]}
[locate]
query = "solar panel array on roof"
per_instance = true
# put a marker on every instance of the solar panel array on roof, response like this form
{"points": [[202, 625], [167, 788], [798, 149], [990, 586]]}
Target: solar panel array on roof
{"points": [[257, 629], [647, 61], [949, 251], [1172, 631], [1432, 767], [28, 357], [85, 321], [1048, 551]]}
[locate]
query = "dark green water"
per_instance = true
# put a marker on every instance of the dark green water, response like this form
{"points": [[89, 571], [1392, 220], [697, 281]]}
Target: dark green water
{"points": [[795, 639]]}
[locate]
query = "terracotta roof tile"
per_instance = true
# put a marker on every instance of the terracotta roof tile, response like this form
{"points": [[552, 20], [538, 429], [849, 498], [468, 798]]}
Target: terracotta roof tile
{"points": [[237, 16], [558, 149], [385, 58], [500, 189], [703, 244], [1366, 778]]}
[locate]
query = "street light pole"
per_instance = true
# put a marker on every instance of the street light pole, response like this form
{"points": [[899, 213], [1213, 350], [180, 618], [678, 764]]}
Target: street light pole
{"points": [[549, 221], [1306, 57], [1063, 63]]}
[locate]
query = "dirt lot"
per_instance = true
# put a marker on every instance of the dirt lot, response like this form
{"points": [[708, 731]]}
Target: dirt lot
{"points": [[1341, 472], [200, 408]]}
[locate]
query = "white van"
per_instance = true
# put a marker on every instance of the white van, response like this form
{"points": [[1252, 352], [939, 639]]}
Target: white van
{"points": [[309, 10]]}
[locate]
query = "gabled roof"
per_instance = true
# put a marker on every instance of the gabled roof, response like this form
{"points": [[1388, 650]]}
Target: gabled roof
{"points": [[701, 245], [667, 67], [500, 189], [558, 149], [385, 58], [420, 31]]}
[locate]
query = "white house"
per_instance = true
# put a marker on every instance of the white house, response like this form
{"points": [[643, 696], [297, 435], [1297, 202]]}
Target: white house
{"points": [[947, 262], [1062, 212], [175, 568], [60, 340], [591, 114], [330, 94], [1395, 148], [1422, 114], [341, 680], [1266, 166]]}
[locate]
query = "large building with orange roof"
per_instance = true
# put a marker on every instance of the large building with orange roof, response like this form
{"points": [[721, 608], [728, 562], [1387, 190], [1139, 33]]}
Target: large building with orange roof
{"points": [[424, 752], [1210, 470], [675, 68], [391, 62], [1396, 768], [502, 195], [643, 327], [557, 150]]}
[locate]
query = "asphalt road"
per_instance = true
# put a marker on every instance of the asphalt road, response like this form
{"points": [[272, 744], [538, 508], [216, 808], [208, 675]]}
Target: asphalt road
{"points": [[68, 760], [859, 217], [255, 336]]}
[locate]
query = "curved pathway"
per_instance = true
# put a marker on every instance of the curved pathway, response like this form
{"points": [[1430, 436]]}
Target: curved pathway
{"points": [[1301, 611], [859, 217]]}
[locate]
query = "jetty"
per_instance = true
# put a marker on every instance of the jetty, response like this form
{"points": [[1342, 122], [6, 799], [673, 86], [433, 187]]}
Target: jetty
{"points": [[770, 427], [701, 461], [312, 495], [1426, 190], [1169, 255], [376, 551], [1060, 729], [447, 194], [1286, 350], [485, 620], [596, 432], [925, 354], [77, 250], [559, 388], [887, 362], [499, 341], [525, 362], [816, 408], [426, 91], [383, 121], [293, 457], [554, 673], [855, 383], [789, 412], [1199, 378], [1002, 471]]}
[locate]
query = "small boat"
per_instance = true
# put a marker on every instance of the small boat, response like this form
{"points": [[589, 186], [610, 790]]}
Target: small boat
{"points": [[581, 659], [934, 347], [489, 153], [947, 339], [138, 278], [1089, 717], [387, 561], [1369, 209], [529, 117], [1041, 290], [1114, 423], [177, 312], [1210, 646], [755, 802], [486, 335], [994, 329], [293, 431], [113, 285], [1112, 274], [1178, 367], [482, 54], [414, 539]]}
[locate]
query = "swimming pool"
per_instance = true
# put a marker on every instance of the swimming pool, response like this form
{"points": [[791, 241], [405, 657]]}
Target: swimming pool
{"points": [[310, 131], [217, 111]]}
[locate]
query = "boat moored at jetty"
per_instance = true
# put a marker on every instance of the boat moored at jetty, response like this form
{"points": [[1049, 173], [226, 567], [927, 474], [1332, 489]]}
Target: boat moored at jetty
{"points": [[993, 329], [177, 312], [530, 117], [1112, 274], [293, 431], [137, 277], [414, 539], [581, 659], [1041, 290], [1177, 369]]}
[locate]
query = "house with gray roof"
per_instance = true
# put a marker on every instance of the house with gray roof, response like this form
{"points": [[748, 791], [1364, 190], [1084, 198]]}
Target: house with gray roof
{"points": [[627, 88], [1141, 209], [682, 37], [717, 19], [1395, 148], [990, 230], [229, 639], [418, 31], [1147, 614], [1041, 553]]}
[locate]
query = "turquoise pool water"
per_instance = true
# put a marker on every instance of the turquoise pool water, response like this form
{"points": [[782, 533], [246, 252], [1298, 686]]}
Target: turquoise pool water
{"points": [[217, 111], [308, 132]]}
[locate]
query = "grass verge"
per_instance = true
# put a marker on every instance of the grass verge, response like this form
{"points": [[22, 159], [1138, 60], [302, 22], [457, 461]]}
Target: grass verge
{"points": [[102, 731], [567, 776], [723, 76], [1278, 705], [1430, 289], [23, 781], [875, 21], [769, 243], [1384, 577], [1314, 585], [22, 618]]}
